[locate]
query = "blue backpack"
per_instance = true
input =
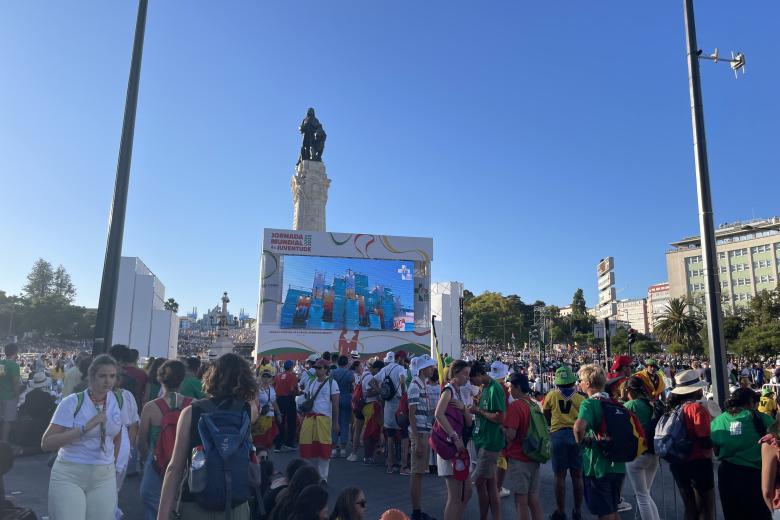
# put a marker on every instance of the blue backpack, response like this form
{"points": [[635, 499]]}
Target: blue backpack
{"points": [[222, 482], [671, 438]]}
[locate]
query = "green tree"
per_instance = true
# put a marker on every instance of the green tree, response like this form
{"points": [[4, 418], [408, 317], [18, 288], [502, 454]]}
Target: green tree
{"points": [[678, 324], [578, 307], [646, 346], [40, 280], [764, 307], [62, 285], [494, 317], [171, 305], [757, 341], [677, 348]]}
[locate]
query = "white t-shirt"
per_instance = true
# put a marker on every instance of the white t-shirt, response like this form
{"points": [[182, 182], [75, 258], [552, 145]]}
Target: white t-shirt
{"points": [[129, 415], [322, 404], [267, 397], [87, 450], [396, 372], [366, 383]]}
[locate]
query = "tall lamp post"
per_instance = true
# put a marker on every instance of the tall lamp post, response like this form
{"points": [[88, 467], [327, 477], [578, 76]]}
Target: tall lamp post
{"points": [[707, 229], [104, 322]]}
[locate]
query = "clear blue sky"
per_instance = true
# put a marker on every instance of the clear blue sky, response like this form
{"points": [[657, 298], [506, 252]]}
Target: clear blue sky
{"points": [[529, 139]]}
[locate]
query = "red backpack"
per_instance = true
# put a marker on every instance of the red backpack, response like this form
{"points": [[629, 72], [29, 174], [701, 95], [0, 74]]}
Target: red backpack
{"points": [[358, 401], [163, 451]]}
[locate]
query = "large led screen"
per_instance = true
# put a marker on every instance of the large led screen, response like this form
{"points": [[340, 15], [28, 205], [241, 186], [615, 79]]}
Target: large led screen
{"points": [[347, 294]]}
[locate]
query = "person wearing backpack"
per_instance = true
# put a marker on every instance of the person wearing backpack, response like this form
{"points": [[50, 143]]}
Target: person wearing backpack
{"points": [[392, 380], [371, 413], [85, 430], [489, 438], [735, 436], [225, 418], [160, 414], [452, 403], [320, 419], [641, 471], [692, 465], [561, 407], [522, 474], [603, 477]]}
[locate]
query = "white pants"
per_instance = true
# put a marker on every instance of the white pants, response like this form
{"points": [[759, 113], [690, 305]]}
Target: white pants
{"points": [[641, 473], [82, 491]]}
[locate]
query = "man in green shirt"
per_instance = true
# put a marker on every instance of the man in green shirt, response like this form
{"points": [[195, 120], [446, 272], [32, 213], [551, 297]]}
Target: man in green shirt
{"points": [[192, 385], [489, 438], [603, 477], [10, 381]]}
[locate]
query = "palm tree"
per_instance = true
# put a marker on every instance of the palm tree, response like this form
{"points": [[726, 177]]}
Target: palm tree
{"points": [[679, 323], [171, 305]]}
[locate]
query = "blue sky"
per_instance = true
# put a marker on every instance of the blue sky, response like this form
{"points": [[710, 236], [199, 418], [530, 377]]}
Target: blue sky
{"points": [[299, 272], [529, 139]]}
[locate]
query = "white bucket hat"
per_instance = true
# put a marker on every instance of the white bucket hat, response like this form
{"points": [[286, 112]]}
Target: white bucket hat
{"points": [[422, 362], [687, 382], [498, 370]]}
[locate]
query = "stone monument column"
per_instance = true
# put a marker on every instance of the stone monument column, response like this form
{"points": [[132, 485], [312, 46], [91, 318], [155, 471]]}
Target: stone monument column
{"points": [[309, 188]]}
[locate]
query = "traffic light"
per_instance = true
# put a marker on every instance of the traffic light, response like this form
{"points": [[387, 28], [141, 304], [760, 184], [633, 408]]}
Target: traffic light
{"points": [[631, 336]]}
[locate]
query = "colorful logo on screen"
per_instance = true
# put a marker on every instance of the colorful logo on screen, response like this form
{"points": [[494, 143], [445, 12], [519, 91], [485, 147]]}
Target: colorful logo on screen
{"points": [[292, 242]]}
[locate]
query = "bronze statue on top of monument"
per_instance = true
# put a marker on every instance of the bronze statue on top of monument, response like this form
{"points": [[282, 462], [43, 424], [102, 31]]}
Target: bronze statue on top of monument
{"points": [[313, 138]]}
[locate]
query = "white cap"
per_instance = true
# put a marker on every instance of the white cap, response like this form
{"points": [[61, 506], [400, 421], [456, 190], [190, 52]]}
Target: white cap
{"points": [[390, 357]]}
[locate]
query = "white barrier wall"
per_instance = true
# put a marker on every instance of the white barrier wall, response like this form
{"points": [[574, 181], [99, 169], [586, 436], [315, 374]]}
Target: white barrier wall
{"points": [[445, 305]]}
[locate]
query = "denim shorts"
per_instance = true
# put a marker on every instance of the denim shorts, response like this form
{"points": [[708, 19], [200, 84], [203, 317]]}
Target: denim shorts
{"points": [[566, 453]]}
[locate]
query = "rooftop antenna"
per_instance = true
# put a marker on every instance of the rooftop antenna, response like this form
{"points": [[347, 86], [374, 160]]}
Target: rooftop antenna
{"points": [[737, 61]]}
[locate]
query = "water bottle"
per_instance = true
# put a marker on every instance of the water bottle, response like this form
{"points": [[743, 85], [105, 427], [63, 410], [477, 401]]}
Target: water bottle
{"points": [[197, 479]]}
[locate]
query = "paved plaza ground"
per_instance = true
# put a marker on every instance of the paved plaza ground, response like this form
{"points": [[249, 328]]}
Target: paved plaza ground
{"points": [[27, 485]]}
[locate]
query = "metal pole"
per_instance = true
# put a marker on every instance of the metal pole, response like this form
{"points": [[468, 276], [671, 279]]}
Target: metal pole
{"points": [[104, 322], [606, 344], [706, 226]]}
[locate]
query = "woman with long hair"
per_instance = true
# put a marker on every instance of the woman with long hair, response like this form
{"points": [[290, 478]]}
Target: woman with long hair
{"points": [[84, 429], [230, 386], [735, 436], [458, 491], [170, 374], [312, 504], [350, 505], [306, 475], [641, 471], [152, 391], [694, 477]]}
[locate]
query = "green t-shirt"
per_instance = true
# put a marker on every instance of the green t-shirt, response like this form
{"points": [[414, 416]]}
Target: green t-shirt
{"points": [[489, 435], [642, 410], [192, 387], [594, 464], [9, 379], [736, 438]]}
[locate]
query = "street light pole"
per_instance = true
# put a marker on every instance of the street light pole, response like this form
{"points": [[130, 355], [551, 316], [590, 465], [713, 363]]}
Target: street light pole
{"points": [[706, 226], [104, 322]]}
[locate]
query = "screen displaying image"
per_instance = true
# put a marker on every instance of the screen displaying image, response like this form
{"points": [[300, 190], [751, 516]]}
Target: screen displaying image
{"points": [[347, 293]]}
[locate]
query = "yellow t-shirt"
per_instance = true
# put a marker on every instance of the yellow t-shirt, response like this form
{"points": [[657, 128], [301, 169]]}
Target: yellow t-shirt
{"points": [[564, 411], [767, 405]]}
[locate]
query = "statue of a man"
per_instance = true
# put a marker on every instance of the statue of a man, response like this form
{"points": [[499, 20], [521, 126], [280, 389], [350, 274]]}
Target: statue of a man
{"points": [[313, 138]]}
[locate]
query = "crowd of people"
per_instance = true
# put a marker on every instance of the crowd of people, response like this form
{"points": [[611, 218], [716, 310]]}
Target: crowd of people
{"points": [[203, 434]]}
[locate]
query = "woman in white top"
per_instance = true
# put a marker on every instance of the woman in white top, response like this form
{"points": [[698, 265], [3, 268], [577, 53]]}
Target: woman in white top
{"points": [[84, 429], [315, 440], [266, 427], [454, 394]]}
